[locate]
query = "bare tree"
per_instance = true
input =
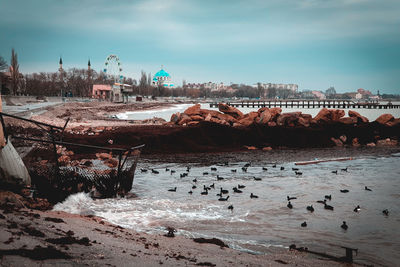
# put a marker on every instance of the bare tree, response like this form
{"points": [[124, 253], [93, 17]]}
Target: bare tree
{"points": [[15, 75], [3, 64]]}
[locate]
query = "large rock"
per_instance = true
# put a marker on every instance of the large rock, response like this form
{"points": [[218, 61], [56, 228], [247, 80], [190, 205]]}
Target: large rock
{"points": [[349, 120], [248, 119], [384, 118], [393, 122], [275, 112], [360, 118], [175, 117], [288, 119], [265, 116], [205, 112], [197, 117], [226, 117], [326, 115], [304, 120], [234, 112], [193, 110], [184, 119]]}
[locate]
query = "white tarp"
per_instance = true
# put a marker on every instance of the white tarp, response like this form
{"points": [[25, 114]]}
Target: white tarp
{"points": [[12, 168]]}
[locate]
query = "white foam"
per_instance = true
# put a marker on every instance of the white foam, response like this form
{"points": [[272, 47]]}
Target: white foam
{"points": [[79, 203]]}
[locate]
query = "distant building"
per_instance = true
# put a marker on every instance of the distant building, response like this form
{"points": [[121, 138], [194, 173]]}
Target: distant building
{"points": [[292, 87], [162, 78], [319, 95], [115, 93]]}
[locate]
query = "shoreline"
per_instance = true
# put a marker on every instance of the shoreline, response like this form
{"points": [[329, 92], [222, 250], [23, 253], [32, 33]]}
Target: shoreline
{"points": [[75, 239]]}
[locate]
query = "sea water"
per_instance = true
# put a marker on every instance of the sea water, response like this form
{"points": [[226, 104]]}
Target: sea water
{"points": [[258, 224], [166, 113]]}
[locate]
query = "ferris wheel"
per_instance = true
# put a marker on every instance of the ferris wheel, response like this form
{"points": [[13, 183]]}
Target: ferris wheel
{"points": [[113, 68]]}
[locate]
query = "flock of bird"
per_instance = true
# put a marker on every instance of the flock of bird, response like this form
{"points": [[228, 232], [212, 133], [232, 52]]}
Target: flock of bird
{"points": [[223, 193]]}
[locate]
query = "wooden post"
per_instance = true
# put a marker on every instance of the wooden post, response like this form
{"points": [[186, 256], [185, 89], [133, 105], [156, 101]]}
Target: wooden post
{"points": [[2, 140]]}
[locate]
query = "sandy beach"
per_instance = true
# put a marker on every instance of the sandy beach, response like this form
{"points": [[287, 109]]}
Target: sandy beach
{"points": [[37, 238]]}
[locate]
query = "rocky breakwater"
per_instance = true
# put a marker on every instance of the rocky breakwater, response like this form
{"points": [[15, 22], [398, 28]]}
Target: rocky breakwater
{"points": [[269, 127]]}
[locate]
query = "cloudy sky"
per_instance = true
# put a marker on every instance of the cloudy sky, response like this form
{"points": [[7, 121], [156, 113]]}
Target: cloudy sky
{"points": [[348, 44]]}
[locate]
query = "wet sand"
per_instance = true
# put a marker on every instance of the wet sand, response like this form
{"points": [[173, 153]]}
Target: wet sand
{"points": [[32, 237]]}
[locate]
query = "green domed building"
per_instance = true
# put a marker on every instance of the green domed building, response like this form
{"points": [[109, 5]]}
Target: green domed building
{"points": [[162, 78]]}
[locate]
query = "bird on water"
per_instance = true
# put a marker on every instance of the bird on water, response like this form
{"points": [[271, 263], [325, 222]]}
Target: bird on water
{"points": [[328, 207], [385, 212], [253, 196], [368, 189], [344, 226], [289, 205], [344, 191], [172, 189], [357, 209], [304, 224], [310, 208], [290, 198]]}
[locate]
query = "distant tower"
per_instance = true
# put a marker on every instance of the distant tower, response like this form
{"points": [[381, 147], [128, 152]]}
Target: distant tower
{"points": [[61, 71], [89, 79], [61, 67]]}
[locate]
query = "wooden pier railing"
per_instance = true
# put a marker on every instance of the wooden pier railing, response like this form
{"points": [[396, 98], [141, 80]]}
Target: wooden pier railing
{"points": [[308, 104]]}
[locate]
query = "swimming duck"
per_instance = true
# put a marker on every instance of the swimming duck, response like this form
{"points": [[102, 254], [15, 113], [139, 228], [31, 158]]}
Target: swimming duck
{"points": [[328, 207], [230, 207], [344, 191], [204, 192], [290, 198], [344, 170], [223, 198], [257, 179], [264, 169], [173, 171], [205, 173], [357, 209], [166, 169], [247, 164], [310, 208], [237, 190], [298, 173], [386, 212], [304, 224], [143, 170], [244, 169], [295, 169], [212, 185], [187, 169], [194, 180], [335, 172], [194, 187], [241, 186], [344, 226], [253, 196], [321, 201], [274, 166], [289, 205], [190, 192], [368, 189], [219, 178], [213, 169], [172, 189], [233, 170], [328, 197], [154, 171], [224, 191], [183, 174], [206, 187], [282, 168]]}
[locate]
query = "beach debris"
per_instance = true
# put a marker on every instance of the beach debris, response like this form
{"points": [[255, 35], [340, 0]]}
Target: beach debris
{"points": [[171, 232], [214, 241]]}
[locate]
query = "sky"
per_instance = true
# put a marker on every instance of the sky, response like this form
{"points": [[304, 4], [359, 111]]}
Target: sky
{"points": [[348, 44]]}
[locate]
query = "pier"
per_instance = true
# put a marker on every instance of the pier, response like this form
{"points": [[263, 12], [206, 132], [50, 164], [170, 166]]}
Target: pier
{"points": [[308, 104]]}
